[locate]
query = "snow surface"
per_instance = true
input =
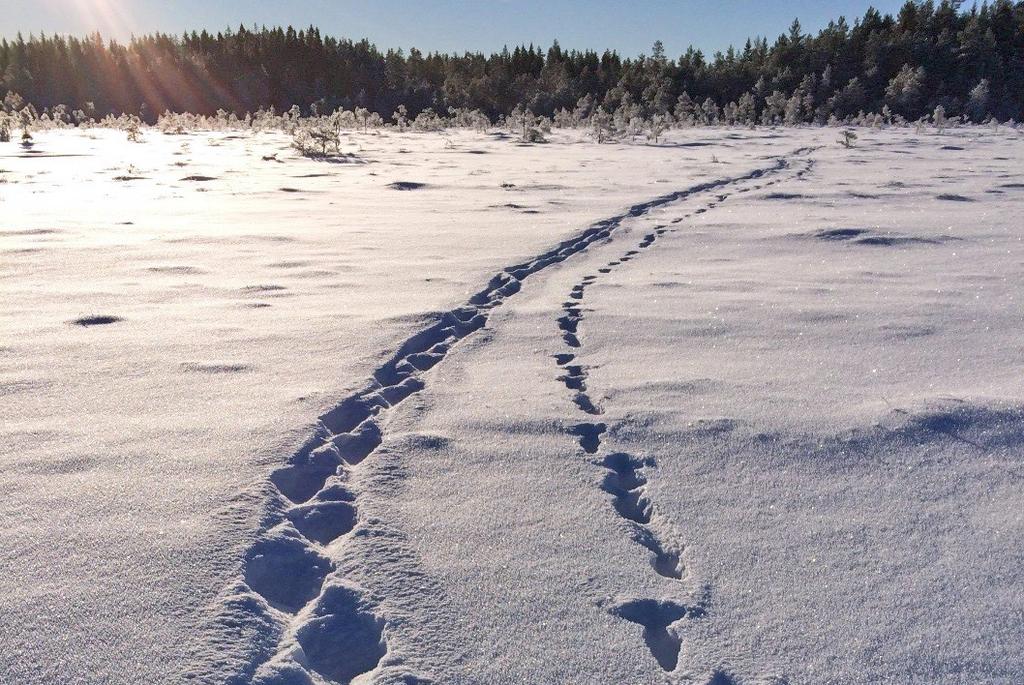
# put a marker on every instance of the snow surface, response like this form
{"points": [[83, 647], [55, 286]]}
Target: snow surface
{"points": [[740, 408]]}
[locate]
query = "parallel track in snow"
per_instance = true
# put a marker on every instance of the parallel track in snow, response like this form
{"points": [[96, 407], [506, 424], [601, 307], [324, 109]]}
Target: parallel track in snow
{"points": [[323, 626]]}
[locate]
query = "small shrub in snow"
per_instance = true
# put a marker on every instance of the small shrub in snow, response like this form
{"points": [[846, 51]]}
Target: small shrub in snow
{"points": [[134, 129], [528, 126], [318, 137], [848, 139], [401, 117], [362, 117], [428, 120]]}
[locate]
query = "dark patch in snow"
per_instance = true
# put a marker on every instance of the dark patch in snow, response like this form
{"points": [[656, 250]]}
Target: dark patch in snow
{"points": [[893, 240], [840, 233], [723, 678], [97, 320], [406, 185], [863, 236], [60, 467], [176, 270], [907, 332], [216, 367], [263, 288], [27, 232]]}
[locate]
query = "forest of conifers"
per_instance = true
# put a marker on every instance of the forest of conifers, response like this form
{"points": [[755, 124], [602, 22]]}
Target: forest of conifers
{"points": [[968, 60]]}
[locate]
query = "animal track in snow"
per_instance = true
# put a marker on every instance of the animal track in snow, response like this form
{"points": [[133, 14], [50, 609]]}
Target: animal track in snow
{"points": [[590, 436], [626, 479], [657, 618], [330, 629]]}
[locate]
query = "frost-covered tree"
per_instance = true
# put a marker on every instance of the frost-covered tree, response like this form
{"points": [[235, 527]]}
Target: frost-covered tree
{"points": [[584, 107], [904, 92], [428, 120], [565, 119], [939, 118], [134, 129], [362, 116], [13, 102], [529, 127], [710, 112], [625, 116], [774, 109], [318, 136], [793, 112], [657, 97], [977, 105], [729, 113], [600, 124], [684, 109], [850, 100], [658, 125], [401, 117], [746, 110]]}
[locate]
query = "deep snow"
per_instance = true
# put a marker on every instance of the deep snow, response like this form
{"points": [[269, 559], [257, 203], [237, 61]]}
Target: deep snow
{"points": [[737, 421]]}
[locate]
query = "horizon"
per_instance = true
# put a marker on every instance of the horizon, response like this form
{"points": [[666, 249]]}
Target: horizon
{"points": [[449, 27]]}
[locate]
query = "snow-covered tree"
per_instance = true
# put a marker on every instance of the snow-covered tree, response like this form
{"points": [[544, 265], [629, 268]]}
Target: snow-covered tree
{"points": [[904, 92], [774, 109], [401, 117], [977, 105], [939, 118], [362, 116], [600, 124], [793, 110], [658, 125], [684, 109], [710, 112], [746, 110]]}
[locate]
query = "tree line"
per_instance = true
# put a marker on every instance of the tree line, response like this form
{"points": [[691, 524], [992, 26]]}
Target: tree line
{"points": [[969, 62]]}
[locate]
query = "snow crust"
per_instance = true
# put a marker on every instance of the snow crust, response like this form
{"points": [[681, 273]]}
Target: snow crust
{"points": [[741, 408]]}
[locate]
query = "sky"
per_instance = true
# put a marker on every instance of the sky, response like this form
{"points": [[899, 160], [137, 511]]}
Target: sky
{"points": [[452, 25]]}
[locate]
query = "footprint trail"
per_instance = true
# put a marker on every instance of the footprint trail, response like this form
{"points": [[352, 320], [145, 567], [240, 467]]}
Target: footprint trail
{"points": [[314, 624], [626, 476]]}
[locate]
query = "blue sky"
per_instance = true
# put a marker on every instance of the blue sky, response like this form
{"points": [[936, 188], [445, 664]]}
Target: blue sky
{"points": [[452, 25]]}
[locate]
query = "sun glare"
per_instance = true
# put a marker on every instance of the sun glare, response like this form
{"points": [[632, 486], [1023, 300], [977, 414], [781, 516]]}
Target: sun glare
{"points": [[112, 19]]}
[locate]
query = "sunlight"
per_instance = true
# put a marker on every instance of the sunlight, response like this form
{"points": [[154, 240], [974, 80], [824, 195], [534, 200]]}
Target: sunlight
{"points": [[539, 342], [110, 18]]}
